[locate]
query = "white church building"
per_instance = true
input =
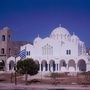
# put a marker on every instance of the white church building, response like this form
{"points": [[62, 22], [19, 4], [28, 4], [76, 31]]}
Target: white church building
{"points": [[59, 52]]}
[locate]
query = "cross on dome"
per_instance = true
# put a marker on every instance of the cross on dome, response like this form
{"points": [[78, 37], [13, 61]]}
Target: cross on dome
{"points": [[38, 35], [73, 33], [59, 25]]}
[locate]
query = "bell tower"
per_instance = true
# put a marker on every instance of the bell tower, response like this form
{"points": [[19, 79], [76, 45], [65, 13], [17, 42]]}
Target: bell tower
{"points": [[5, 43]]}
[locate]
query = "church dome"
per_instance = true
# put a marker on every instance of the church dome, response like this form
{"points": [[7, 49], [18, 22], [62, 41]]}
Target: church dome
{"points": [[37, 39], [59, 33]]}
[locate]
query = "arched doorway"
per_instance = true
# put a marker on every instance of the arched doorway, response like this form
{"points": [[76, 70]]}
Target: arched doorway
{"points": [[2, 65], [82, 65], [63, 65], [52, 65], [11, 65], [71, 66], [44, 65]]}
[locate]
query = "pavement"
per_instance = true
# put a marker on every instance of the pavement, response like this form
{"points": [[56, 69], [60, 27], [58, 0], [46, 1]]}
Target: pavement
{"points": [[12, 86]]}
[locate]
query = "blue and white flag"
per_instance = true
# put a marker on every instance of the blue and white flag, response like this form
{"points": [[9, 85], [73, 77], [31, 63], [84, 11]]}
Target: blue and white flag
{"points": [[22, 54]]}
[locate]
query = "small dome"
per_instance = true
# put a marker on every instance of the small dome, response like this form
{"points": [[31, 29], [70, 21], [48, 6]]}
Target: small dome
{"points": [[6, 28], [60, 32], [37, 39], [74, 38]]}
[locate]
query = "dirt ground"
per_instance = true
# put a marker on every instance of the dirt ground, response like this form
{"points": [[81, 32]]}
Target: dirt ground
{"points": [[67, 80]]}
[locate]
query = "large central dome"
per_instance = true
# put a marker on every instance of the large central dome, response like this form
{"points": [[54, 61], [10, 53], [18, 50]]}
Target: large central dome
{"points": [[59, 33]]}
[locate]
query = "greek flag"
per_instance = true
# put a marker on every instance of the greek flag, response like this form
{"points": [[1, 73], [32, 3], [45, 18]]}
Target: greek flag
{"points": [[22, 54]]}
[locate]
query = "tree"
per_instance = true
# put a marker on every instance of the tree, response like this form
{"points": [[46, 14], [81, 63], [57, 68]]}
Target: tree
{"points": [[27, 66]]}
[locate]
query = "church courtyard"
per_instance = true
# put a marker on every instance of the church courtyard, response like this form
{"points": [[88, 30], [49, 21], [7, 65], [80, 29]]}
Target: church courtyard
{"points": [[56, 80], [53, 79]]}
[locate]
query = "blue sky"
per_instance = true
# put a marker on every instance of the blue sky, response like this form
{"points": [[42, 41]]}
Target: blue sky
{"points": [[28, 18]]}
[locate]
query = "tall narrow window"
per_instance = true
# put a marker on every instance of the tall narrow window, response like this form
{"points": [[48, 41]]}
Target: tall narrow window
{"points": [[3, 37], [29, 53], [2, 51], [47, 50], [69, 52]]}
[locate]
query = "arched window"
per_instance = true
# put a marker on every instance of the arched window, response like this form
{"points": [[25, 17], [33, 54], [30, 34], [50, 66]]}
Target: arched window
{"points": [[3, 37], [47, 50], [11, 65], [68, 52], [2, 51], [28, 53]]}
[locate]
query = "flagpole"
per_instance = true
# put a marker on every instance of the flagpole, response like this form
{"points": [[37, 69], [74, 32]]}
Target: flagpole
{"points": [[15, 72], [15, 67]]}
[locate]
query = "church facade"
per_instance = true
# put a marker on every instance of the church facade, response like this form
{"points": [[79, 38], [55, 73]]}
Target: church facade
{"points": [[60, 52]]}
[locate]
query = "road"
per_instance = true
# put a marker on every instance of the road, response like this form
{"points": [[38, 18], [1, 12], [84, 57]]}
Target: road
{"points": [[8, 86]]}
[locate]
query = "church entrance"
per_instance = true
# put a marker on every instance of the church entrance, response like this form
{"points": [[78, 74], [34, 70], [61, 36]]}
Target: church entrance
{"points": [[63, 66], [11, 65], [71, 66]]}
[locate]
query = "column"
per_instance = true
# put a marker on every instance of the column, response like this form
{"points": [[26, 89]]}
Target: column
{"points": [[67, 68], [7, 67], [55, 67], [47, 67], [58, 67], [77, 68], [40, 67]]}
